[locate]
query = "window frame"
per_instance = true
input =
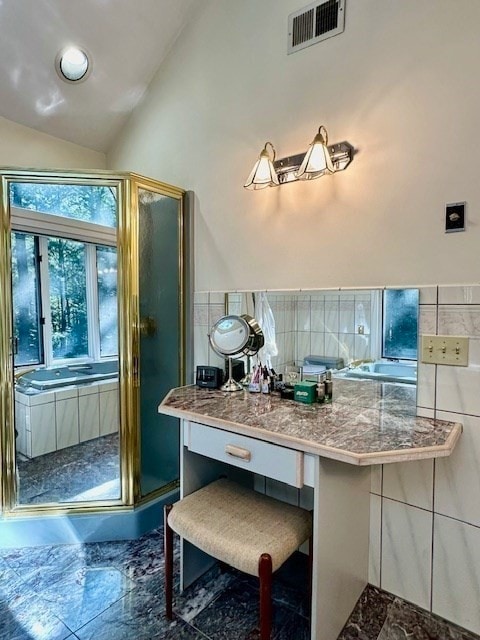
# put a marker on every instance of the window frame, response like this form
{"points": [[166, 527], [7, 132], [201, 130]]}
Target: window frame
{"points": [[44, 226], [383, 321]]}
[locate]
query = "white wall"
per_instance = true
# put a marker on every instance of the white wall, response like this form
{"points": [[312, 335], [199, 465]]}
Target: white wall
{"points": [[399, 84], [27, 148]]}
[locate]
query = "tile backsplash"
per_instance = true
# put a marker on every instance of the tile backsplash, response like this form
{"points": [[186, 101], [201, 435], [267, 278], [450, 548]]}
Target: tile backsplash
{"points": [[425, 515]]}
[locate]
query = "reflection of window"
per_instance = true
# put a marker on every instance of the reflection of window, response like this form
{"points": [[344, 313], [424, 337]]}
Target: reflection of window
{"points": [[400, 323], [107, 300], [68, 298], [77, 284], [26, 312], [89, 203]]}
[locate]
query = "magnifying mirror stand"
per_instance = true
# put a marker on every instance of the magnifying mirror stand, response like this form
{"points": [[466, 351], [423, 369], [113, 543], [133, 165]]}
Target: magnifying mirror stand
{"points": [[231, 384]]}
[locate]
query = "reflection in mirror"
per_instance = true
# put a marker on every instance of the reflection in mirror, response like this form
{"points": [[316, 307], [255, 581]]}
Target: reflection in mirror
{"points": [[64, 285], [229, 335], [363, 333]]}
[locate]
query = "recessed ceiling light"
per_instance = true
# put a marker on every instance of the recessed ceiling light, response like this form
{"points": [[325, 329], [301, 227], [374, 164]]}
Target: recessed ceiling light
{"points": [[72, 64]]}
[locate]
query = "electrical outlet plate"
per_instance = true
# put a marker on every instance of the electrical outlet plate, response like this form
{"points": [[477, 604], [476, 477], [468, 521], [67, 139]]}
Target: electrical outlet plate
{"points": [[451, 350]]}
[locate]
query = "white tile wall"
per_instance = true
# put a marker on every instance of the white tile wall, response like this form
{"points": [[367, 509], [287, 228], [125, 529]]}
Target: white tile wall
{"points": [[109, 418], [452, 504], [407, 552], [374, 559], [410, 482], [376, 479], [456, 566], [41, 419], [467, 294], [457, 478], [66, 418], [88, 415]]}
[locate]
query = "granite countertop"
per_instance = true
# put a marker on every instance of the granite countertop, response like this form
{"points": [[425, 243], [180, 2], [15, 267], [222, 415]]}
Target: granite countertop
{"points": [[367, 423]]}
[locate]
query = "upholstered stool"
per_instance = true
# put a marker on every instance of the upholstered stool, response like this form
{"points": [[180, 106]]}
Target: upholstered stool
{"points": [[240, 527]]}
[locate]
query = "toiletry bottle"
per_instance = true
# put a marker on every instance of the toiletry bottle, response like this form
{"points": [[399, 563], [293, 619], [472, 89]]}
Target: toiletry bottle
{"points": [[265, 382], [328, 387], [321, 388]]}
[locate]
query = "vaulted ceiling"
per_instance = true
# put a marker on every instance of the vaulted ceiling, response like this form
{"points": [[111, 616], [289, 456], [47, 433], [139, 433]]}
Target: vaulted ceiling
{"points": [[126, 39]]}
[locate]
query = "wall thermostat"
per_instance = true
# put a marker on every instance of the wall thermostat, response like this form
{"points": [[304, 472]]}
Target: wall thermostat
{"points": [[455, 217]]}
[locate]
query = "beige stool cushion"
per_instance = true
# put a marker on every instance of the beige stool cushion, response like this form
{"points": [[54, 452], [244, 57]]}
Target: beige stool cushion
{"points": [[236, 525]]}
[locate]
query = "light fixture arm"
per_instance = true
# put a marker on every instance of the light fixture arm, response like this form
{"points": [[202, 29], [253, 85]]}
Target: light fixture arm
{"points": [[321, 137], [264, 152], [341, 154]]}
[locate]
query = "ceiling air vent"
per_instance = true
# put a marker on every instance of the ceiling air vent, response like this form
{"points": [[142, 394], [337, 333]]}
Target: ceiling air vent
{"points": [[315, 23]]}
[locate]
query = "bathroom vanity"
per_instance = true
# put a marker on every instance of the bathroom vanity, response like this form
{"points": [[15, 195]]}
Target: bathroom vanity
{"points": [[324, 453]]}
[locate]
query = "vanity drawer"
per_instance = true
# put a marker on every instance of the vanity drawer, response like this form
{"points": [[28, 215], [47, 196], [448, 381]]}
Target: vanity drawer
{"points": [[254, 455]]}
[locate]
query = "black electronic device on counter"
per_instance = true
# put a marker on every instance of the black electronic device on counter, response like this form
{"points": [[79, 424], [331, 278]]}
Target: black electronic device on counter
{"points": [[209, 377]]}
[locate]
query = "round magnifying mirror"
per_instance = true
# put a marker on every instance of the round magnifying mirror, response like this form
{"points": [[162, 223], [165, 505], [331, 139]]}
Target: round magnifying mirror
{"points": [[229, 335], [233, 335]]}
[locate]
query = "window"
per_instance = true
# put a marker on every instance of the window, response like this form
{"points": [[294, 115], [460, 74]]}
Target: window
{"points": [[68, 298], [75, 284], [87, 203], [107, 300], [400, 323], [26, 300]]}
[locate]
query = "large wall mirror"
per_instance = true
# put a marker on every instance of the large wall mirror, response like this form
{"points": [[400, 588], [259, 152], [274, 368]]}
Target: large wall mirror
{"points": [[369, 334], [92, 303], [65, 341]]}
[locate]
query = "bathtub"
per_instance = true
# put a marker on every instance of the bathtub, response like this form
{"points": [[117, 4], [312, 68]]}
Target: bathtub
{"points": [[61, 407], [386, 371], [74, 374]]}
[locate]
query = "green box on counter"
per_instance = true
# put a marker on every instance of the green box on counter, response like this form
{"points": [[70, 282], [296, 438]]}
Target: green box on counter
{"points": [[305, 392]]}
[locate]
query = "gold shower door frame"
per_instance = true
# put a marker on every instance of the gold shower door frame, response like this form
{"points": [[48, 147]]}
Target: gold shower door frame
{"points": [[127, 185]]}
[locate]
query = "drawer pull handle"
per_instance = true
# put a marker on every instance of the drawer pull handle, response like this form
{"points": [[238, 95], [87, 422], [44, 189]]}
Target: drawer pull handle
{"points": [[238, 452]]}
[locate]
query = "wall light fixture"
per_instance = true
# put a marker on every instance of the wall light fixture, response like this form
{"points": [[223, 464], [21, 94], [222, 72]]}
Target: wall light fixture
{"points": [[319, 159], [263, 173]]}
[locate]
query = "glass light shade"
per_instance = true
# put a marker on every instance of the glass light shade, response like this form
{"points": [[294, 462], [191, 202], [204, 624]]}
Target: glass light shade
{"points": [[72, 64], [317, 160], [263, 173]]}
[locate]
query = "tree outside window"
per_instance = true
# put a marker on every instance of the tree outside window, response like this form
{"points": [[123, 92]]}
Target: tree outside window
{"points": [[26, 301], [76, 314], [400, 323]]}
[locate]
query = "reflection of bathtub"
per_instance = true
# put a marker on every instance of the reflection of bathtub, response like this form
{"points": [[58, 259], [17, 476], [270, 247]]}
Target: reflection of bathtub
{"points": [[53, 377], [61, 407], [386, 371]]}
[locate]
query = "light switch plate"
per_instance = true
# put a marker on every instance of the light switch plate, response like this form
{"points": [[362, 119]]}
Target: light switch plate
{"points": [[451, 350], [455, 217]]}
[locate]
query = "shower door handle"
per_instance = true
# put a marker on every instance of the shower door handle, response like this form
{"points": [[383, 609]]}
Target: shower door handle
{"points": [[14, 342], [148, 326], [136, 358]]}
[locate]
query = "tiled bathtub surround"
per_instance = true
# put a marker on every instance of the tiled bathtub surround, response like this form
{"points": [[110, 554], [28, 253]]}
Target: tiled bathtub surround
{"points": [[48, 421], [425, 516]]}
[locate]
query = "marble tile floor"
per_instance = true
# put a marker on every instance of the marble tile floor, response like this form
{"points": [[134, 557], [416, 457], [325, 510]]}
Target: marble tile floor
{"points": [[86, 471], [114, 591]]}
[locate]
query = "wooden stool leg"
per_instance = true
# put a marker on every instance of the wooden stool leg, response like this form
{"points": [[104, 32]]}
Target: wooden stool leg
{"points": [[168, 555], [265, 576]]}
